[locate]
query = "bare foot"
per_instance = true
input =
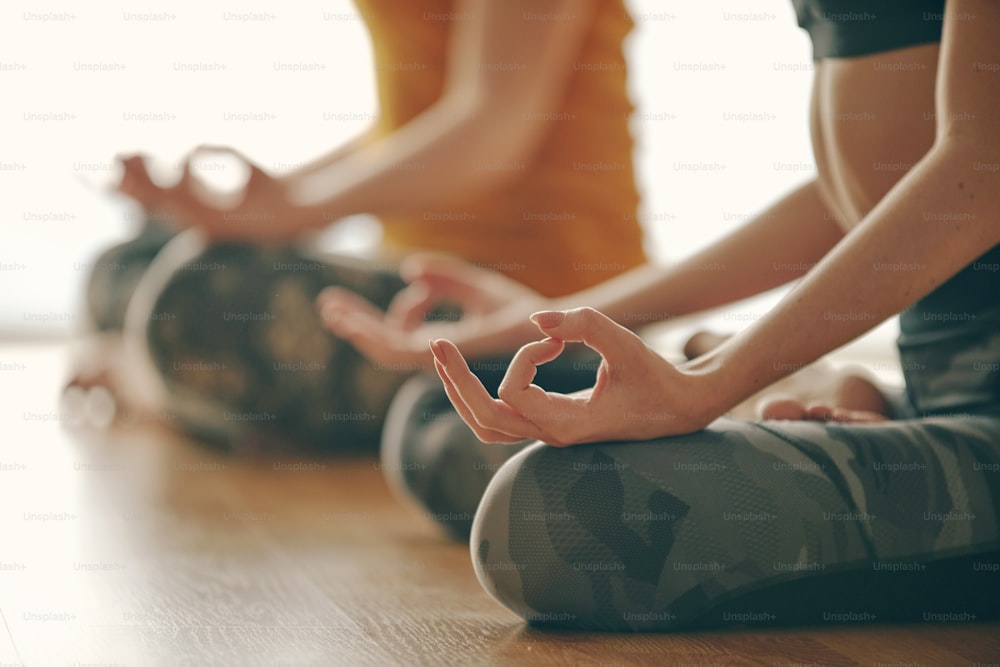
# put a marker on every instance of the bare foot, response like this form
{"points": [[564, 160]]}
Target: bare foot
{"points": [[855, 399], [100, 392], [89, 394], [818, 392]]}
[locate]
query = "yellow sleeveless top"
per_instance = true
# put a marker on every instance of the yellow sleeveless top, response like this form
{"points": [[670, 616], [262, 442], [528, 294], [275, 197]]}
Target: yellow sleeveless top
{"points": [[569, 218]]}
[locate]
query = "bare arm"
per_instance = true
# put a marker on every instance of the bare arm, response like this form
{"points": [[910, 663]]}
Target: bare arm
{"points": [[777, 246], [940, 217], [935, 221], [502, 71], [329, 159]]}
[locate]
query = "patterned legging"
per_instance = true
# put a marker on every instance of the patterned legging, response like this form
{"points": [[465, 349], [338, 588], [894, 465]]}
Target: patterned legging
{"points": [[739, 524], [742, 523], [232, 333], [747, 523]]}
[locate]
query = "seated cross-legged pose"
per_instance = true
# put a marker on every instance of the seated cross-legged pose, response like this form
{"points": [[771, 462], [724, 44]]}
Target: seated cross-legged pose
{"points": [[644, 507], [502, 139]]}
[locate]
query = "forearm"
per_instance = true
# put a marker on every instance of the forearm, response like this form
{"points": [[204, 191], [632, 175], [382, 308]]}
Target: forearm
{"points": [[437, 162], [775, 247], [936, 221], [447, 156], [328, 159]]}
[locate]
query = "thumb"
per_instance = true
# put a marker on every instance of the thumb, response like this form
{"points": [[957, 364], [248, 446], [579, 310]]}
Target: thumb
{"points": [[255, 176], [447, 278], [410, 305]]}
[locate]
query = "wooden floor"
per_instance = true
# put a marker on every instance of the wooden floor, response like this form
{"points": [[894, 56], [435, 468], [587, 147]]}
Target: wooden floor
{"points": [[135, 547]]}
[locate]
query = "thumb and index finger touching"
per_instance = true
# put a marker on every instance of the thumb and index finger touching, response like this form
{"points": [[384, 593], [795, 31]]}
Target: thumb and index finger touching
{"points": [[590, 327]]}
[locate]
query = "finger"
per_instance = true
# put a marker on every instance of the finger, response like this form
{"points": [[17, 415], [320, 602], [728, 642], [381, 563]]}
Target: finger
{"points": [[516, 385], [585, 325], [255, 175], [345, 313], [410, 306], [452, 279], [353, 318], [484, 434], [389, 348], [136, 182], [368, 337], [782, 409], [367, 334], [335, 303], [550, 412], [485, 410], [180, 206]]}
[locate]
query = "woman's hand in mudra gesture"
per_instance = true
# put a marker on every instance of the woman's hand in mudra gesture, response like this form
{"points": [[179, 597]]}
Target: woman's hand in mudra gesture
{"points": [[638, 395], [258, 212], [493, 319]]}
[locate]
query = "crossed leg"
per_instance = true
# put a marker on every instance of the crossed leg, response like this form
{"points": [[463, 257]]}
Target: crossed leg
{"points": [[749, 523]]}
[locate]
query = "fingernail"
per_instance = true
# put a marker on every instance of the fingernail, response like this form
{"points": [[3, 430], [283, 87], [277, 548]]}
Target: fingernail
{"points": [[437, 350], [547, 319]]}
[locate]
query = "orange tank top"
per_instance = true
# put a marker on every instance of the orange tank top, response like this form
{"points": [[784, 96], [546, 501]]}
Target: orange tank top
{"points": [[568, 220]]}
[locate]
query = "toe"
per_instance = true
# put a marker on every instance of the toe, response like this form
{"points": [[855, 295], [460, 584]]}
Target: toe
{"points": [[847, 415], [784, 408], [857, 393], [820, 412]]}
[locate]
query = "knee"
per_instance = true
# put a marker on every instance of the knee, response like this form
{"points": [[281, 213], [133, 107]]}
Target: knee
{"points": [[189, 314], [113, 279], [146, 316], [587, 536], [203, 298], [499, 536], [532, 546], [428, 455], [409, 469]]}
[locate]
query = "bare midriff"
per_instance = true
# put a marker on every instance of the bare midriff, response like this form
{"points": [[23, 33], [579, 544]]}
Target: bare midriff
{"points": [[872, 119]]}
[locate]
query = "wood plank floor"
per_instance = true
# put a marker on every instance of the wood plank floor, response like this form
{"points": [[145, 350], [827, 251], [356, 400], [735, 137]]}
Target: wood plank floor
{"points": [[136, 547]]}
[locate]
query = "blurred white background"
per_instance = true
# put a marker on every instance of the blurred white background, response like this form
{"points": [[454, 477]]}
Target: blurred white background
{"points": [[174, 75]]}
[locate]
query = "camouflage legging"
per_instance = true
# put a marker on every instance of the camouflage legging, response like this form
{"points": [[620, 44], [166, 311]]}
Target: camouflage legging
{"points": [[232, 332], [742, 523], [749, 524]]}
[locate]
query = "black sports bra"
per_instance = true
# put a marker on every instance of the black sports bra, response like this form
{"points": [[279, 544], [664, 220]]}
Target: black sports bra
{"points": [[847, 28]]}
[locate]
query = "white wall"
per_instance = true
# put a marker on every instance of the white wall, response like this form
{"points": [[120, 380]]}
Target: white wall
{"points": [[181, 73]]}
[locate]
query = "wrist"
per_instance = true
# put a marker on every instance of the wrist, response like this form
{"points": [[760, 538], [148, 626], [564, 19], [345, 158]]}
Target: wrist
{"points": [[713, 381], [309, 211]]}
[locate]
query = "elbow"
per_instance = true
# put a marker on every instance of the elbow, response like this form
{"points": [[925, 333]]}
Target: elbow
{"points": [[967, 133], [965, 166]]}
